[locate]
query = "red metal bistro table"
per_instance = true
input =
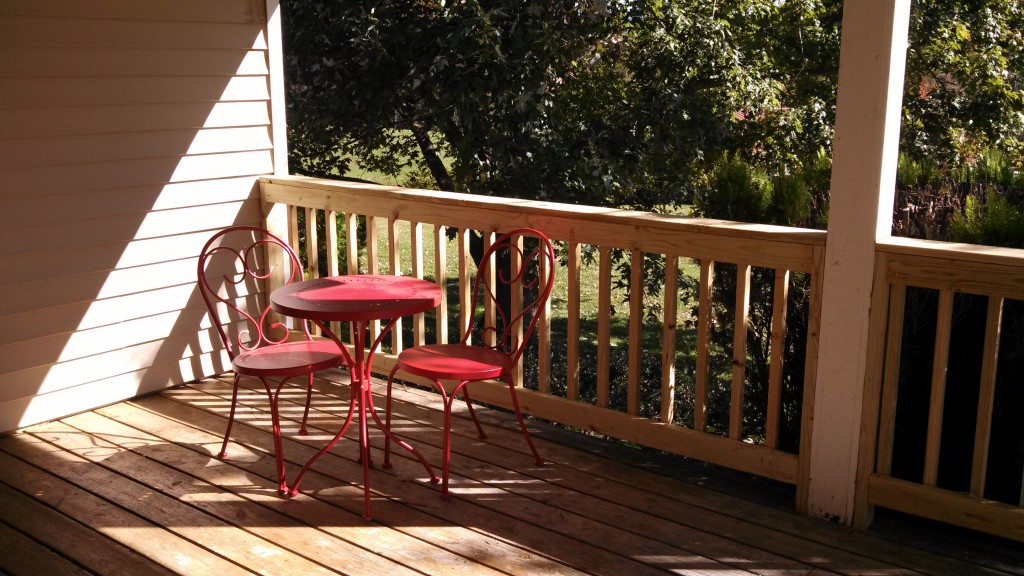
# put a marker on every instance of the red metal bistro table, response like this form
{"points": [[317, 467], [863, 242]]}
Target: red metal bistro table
{"points": [[359, 299]]}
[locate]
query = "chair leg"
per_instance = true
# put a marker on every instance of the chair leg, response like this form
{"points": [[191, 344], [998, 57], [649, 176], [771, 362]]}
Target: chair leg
{"points": [[309, 399], [387, 419], [446, 441], [231, 418], [469, 404], [282, 486], [522, 423], [388, 436]]}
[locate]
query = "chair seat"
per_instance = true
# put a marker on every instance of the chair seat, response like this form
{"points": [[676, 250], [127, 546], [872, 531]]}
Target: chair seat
{"points": [[454, 362], [288, 359]]}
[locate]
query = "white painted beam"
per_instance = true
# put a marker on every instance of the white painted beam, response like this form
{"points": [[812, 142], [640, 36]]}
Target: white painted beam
{"points": [[275, 67], [871, 70]]}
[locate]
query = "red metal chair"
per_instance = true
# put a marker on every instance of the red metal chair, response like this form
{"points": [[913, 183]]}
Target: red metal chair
{"points": [[467, 363], [231, 266]]}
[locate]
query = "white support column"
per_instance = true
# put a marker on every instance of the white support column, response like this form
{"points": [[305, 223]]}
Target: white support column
{"points": [[871, 69], [275, 65]]}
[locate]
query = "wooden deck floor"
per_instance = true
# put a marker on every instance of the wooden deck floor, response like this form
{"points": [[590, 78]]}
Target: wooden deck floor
{"points": [[134, 489]]}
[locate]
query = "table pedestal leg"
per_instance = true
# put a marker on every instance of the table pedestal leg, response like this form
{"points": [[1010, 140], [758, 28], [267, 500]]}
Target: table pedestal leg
{"points": [[362, 398], [364, 441], [344, 428]]}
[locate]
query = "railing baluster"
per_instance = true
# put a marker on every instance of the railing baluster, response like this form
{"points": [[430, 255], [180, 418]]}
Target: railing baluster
{"points": [[441, 277], [312, 245], [777, 352], [312, 256], [933, 445], [636, 324], [741, 324], [987, 395], [352, 243], [572, 331], [465, 286], [352, 257], [516, 304], [293, 235], [372, 264], [544, 335], [890, 378], [668, 340], [700, 393], [419, 326], [604, 306], [394, 258], [489, 276], [331, 228], [372, 246]]}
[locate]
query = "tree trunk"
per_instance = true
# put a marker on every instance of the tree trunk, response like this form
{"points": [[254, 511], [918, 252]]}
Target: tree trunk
{"points": [[434, 163]]}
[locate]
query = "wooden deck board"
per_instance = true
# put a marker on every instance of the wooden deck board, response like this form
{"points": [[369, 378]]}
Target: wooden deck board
{"points": [[93, 551], [340, 466], [335, 507], [28, 556], [135, 488]]}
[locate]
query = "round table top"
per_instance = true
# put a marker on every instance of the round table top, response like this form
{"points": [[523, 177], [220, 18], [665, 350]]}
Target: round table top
{"points": [[356, 297]]}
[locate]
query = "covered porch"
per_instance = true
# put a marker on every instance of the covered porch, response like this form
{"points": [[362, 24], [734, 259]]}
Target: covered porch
{"points": [[131, 132]]}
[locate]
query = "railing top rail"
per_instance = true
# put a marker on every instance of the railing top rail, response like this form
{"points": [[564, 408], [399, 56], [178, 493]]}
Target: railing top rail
{"points": [[699, 238], [953, 251], [964, 268]]}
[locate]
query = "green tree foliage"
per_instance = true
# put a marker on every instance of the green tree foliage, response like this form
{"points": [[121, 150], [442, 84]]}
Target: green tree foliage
{"points": [[795, 45], [654, 101], [964, 89], [409, 81], [604, 103], [624, 103]]}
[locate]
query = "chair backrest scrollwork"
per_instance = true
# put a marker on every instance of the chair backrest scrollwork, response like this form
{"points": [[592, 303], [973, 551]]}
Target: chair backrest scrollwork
{"points": [[535, 274], [232, 270]]}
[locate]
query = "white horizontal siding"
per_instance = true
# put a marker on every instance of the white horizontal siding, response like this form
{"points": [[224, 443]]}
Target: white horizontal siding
{"points": [[66, 30], [197, 11], [109, 91], [129, 133], [77, 149], [24, 211], [129, 117]]}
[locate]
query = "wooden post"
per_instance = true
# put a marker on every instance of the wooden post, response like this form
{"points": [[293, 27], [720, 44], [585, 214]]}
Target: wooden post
{"points": [[275, 220], [871, 69]]}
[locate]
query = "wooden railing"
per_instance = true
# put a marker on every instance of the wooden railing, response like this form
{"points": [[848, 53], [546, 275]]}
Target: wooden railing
{"points": [[928, 427], [579, 230], [926, 296]]}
